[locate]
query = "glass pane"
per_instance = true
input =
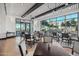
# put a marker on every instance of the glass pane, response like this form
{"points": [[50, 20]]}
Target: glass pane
{"points": [[61, 18], [53, 19], [48, 20], [17, 26], [18, 33], [28, 27], [71, 16], [22, 26]]}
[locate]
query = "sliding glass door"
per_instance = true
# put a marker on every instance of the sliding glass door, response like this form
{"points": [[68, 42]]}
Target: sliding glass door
{"points": [[22, 27]]}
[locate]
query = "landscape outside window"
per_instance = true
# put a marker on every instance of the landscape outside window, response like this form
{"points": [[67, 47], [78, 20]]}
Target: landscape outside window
{"points": [[62, 23]]}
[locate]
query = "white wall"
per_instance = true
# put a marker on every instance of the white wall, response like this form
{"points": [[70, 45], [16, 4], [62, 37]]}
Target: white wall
{"points": [[2, 23], [7, 23], [10, 24], [36, 25], [2, 19]]}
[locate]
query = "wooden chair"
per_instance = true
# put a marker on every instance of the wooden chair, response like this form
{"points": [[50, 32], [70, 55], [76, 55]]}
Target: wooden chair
{"points": [[66, 38], [74, 49], [22, 48], [56, 36]]}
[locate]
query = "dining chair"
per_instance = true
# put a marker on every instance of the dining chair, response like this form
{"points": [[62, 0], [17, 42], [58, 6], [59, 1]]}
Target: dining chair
{"points": [[22, 48], [66, 38]]}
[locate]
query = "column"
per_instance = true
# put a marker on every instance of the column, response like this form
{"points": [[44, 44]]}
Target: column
{"points": [[78, 22]]}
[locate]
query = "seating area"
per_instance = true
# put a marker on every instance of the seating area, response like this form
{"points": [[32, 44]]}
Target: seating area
{"points": [[47, 43]]}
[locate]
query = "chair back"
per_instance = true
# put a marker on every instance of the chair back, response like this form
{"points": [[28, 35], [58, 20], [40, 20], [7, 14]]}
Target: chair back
{"points": [[22, 48], [27, 36], [65, 35], [54, 34]]}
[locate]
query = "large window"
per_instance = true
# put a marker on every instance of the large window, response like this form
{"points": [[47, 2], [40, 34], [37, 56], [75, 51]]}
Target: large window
{"points": [[64, 22], [71, 20], [22, 26], [71, 16]]}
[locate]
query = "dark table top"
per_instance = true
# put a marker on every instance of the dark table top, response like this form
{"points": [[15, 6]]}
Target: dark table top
{"points": [[42, 49]]}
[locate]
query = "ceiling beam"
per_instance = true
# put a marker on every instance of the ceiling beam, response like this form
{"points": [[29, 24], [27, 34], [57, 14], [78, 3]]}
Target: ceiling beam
{"points": [[54, 9], [35, 6]]}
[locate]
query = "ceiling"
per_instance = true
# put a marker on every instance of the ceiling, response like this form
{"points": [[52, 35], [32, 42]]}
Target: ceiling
{"points": [[18, 9], [45, 7]]}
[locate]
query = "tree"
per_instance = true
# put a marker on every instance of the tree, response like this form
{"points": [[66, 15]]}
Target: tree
{"points": [[68, 24], [56, 26], [73, 23], [51, 25], [45, 23]]}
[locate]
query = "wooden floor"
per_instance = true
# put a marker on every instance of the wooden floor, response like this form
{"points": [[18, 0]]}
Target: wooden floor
{"points": [[8, 47], [54, 49]]}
